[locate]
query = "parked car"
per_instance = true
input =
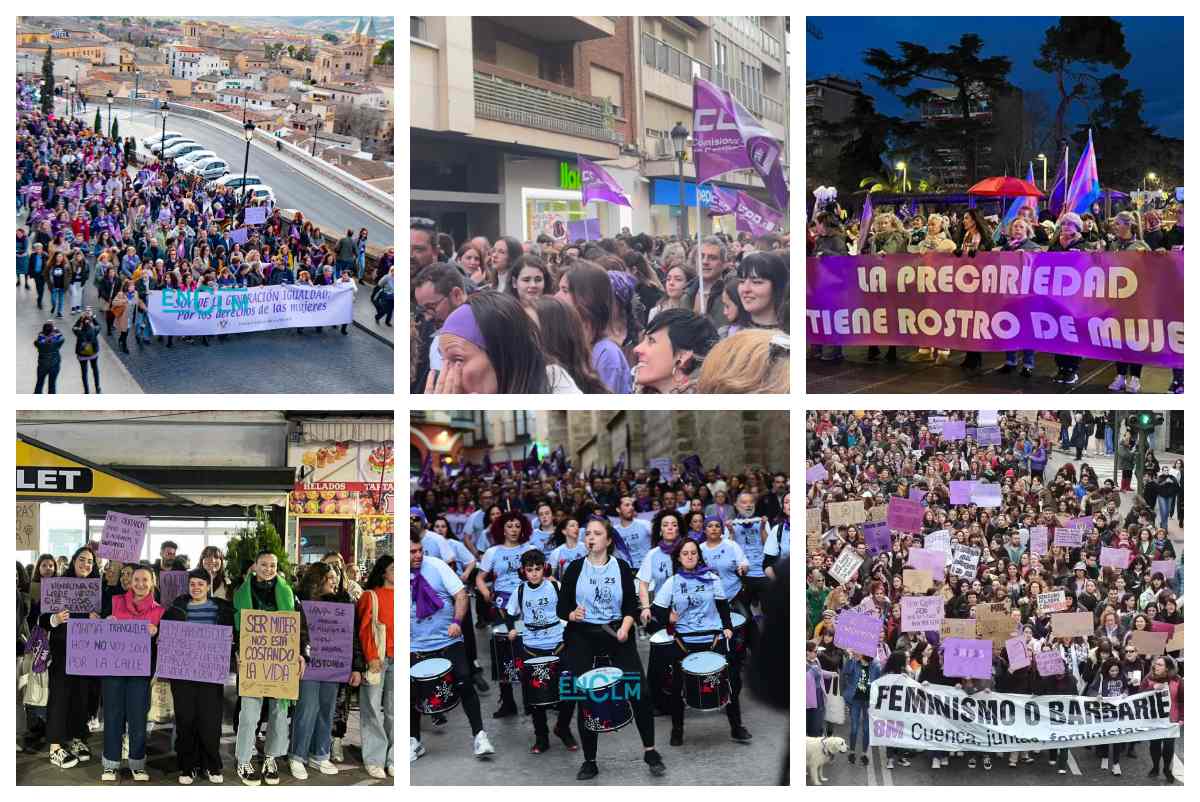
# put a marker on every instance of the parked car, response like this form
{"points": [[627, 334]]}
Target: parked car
{"points": [[156, 146], [258, 192], [158, 138], [234, 180], [209, 168], [181, 149], [191, 158]]}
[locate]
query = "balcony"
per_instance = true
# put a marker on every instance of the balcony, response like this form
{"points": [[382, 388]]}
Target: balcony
{"points": [[756, 102], [560, 30], [668, 60], [772, 50], [508, 101]]}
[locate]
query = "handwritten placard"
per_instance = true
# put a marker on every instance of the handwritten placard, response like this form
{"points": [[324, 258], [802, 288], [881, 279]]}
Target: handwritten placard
{"points": [[918, 581], [1018, 655], [108, 648], [878, 537], [77, 595], [845, 566], [988, 417], [936, 423], [968, 658], [1149, 643], [954, 430], [846, 513], [1052, 602], [1039, 539], [1114, 558], [960, 491], [1164, 567], [985, 494], [925, 560], [1175, 644], [269, 654], [921, 613], [816, 473], [331, 640], [1071, 625], [964, 561], [29, 525], [812, 521], [1066, 536], [857, 632], [988, 436], [172, 585], [904, 515], [123, 536], [938, 541], [195, 652], [1049, 664], [958, 628]]}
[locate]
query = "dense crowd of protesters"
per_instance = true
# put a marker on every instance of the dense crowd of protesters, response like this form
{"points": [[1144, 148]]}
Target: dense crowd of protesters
{"points": [[61, 709], [618, 315], [102, 231], [874, 456]]}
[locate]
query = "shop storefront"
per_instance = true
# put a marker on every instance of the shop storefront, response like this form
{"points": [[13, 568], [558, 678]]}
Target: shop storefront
{"points": [[542, 196]]}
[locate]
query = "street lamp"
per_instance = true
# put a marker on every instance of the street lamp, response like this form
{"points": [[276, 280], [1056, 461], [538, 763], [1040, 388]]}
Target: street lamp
{"points": [[1044, 160], [679, 135], [1149, 177], [249, 134], [109, 97], [163, 112], [903, 168]]}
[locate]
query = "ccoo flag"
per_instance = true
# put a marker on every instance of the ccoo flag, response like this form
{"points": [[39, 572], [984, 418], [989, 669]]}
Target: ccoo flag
{"points": [[597, 184], [1085, 184], [1020, 203], [1059, 192], [727, 137], [756, 217], [721, 201], [864, 223]]}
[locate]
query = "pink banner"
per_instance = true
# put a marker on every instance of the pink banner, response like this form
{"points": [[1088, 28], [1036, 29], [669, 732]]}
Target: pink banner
{"points": [[1124, 306], [1117, 558], [904, 515]]}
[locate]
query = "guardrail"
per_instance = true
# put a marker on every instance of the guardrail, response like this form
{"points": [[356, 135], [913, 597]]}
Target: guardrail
{"points": [[385, 204]]}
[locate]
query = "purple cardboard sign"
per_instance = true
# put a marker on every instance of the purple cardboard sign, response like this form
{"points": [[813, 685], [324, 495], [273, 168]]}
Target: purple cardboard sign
{"points": [[123, 536], [1039, 539], [921, 613], [255, 215], [171, 585], [1065, 536], [78, 595], [925, 560], [904, 515], [584, 229], [857, 632], [108, 648], [1165, 567], [960, 492], [988, 436], [816, 473], [954, 430], [878, 536], [1084, 523], [196, 652], [239, 236], [331, 638], [985, 494], [1018, 655], [917, 494], [967, 658], [1116, 558], [1049, 664]]}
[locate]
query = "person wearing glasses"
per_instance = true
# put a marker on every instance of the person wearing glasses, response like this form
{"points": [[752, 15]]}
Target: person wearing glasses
{"points": [[438, 290]]}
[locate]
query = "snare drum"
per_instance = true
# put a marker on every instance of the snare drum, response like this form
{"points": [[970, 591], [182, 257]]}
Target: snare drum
{"points": [[433, 687], [660, 669], [737, 644], [539, 680], [505, 666], [705, 681], [602, 700]]}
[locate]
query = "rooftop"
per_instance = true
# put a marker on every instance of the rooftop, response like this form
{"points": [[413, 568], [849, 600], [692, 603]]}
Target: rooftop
{"points": [[350, 89]]}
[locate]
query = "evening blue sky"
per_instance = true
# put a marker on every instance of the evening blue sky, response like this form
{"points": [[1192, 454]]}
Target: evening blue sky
{"points": [[1155, 43]]}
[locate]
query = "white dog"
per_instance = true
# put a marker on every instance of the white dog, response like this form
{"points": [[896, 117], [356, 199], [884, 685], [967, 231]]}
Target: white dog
{"points": [[818, 752]]}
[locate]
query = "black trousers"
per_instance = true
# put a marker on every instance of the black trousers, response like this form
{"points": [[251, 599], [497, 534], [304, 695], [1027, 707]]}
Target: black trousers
{"points": [[563, 723], [67, 709], [584, 642], [197, 725], [733, 710], [1163, 749], [472, 649], [83, 369], [752, 588], [468, 698]]}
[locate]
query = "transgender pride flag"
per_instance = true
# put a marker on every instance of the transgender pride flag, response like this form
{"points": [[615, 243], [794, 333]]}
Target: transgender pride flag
{"points": [[1085, 184], [1020, 203]]}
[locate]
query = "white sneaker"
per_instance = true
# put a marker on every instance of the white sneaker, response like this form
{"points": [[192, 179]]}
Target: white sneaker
{"points": [[376, 771], [216, 777], [185, 779], [336, 752], [298, 770], [110, 776], [391, 771], [934, 764], [324, 766], [483, 746], [415, 749], [1135, 385], [94, 725], [1116, 769], [140, 775], [890, 765], [1103, 764], [1118, 384]]}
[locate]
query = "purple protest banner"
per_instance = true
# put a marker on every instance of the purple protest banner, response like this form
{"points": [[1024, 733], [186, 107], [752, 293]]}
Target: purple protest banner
{"points": [[721, 201], [985, 494], [725, 137], [123, 536], [988, 435], [239, 236], [756, 217], [967, 658], [960, 492], [75, 594], [1018, 655], [597, 185], [331, 638], [917, 494], [925, 560], [171, 585], [255, 216], [1039, 537], [954, 430], [196, 652], [1116, 558], [1084, 523], [1064, 536], [1164, 567], [921, 613], [857, 632], [1049, 664], [878, 537], [584, 229], [1118, 306], [816, 473], [904, 515], [108, 648]]}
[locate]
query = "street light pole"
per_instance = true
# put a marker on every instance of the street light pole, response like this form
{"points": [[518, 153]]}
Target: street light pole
{"points": [[109, 99], [1044, 160], [249, 134], [679, 135], [903, 168], [163, 142]]}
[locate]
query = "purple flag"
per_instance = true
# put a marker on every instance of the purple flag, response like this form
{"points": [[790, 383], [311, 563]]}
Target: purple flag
{"points": [[756, 217], [864, 223], [1059, 192], [721, 201], [1085, 184], [728, 137], [597, 184]]}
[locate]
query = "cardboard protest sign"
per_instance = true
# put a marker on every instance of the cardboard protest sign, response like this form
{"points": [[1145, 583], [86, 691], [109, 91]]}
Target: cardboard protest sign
{"points": [[78, 595], [988, 417], [921, 613], [1049, 664], [172, 585], [925, 560], [1018, 655], [1052, 602], [878, 537], [964, 561], [812, 521], [904, 515], [845, 566], [954, 430], [816, 473], [918, 581], [1039, 537], [985, 494], [108, 648], [958, 628], [938, 541], [857, 632], [664, 467], [196, 652], [1175, 644], [1164, 567], [1026, 415], [1115, 558], [846, 513], [123, 536], [877, 513], [988, 436], [997, 628], [960, 491], [29, 525], [269, 655], [1149, 643], [936, 423], [967, 658], [1071, 625], [1083, 523], [1051, 430], [1066, 536], [331, 640]]}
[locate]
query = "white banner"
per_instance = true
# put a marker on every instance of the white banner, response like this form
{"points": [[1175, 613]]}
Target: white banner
{"points": [[235, 311], [908, 715]]}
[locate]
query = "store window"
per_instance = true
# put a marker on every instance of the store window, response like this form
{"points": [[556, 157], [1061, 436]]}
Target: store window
{"points": [[550, 216]]}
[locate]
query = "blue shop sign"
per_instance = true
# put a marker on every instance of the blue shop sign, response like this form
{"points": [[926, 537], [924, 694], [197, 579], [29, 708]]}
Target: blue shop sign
{"points": [[665, 192]]}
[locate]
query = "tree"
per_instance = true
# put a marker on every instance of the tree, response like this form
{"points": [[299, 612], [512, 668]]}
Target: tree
{"points": [[1072, 51], [48, 82], [330, 37], [243, 548], [960, 67], [1127, 148], [865, 133], [385, 54], [96, 123], [115, 132]]}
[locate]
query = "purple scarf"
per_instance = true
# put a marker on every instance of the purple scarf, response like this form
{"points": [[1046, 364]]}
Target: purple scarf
{"points": [[424, 596], [703, 575]]}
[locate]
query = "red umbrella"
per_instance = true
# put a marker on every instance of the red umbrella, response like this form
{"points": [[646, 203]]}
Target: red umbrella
{"points": [[1003, 186]]}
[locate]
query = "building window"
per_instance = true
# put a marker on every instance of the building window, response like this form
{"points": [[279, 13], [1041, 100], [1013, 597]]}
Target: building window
{"points": [[520, 424]]}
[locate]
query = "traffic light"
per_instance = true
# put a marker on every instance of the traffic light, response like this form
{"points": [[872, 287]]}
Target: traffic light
{"points": [[1144, 421]]}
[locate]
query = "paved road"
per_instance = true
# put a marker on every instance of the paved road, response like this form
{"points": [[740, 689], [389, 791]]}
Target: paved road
{"points": [[708, 756], [293, 188], [856, 375]]}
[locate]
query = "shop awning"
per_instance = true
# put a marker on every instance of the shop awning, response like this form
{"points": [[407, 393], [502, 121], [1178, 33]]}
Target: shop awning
{"points": [[344, 430], [219, 486], [46, 473]]}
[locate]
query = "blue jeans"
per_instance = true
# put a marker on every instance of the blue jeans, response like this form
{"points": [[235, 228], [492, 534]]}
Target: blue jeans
{"points": [[1108, 440], [362, 265], [1010, 358], [141, 325], [375, 712], [44, 374], [126, 704], [56, 299], [860, 721], [1164, 511], [312, 720], [277, 728]]}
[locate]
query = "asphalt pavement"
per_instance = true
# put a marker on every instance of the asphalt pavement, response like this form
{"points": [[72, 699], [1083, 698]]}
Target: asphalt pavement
{"points": [[708, 755], [855, 374]]}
